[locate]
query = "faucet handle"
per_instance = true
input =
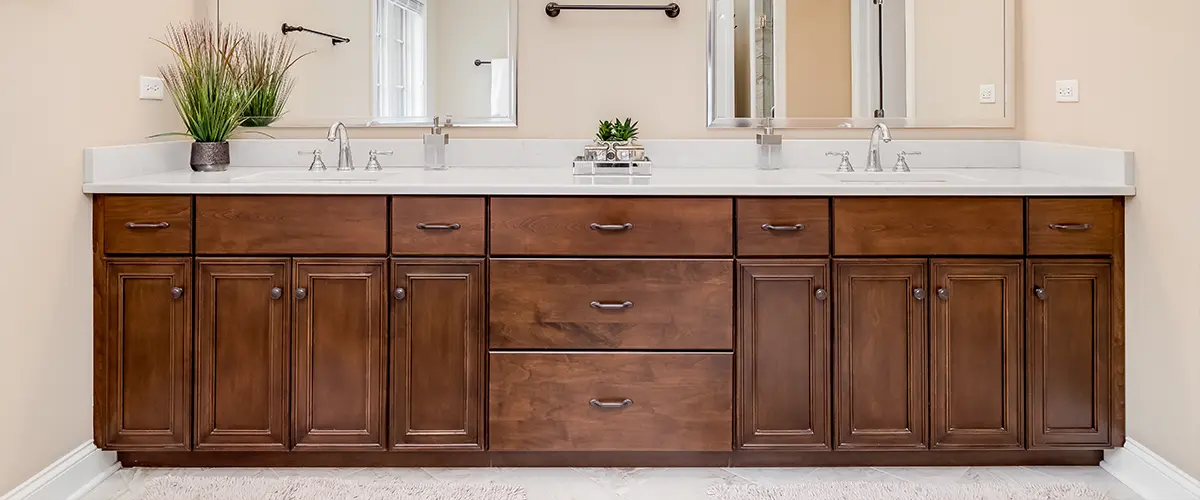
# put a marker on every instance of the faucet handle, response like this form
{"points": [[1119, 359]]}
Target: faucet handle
{"points": [[318, 163], [373, 162], [845, 165], [902, 161]]}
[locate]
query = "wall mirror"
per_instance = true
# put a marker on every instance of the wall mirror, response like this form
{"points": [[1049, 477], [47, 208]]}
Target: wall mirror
{"points": [[853, 63], [392, 62]]}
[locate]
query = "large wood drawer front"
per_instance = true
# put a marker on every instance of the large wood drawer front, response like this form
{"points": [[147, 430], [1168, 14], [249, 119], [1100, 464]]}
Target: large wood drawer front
{"points": [[928, 226], [291, 225], [1071, 226], [611, 304], [146, 224], [662, 402], [612, 226], [782, 227]]}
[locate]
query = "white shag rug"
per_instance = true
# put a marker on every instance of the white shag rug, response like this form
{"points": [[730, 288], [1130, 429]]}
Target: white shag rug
{"points": [[859, 490], [308, 488]]}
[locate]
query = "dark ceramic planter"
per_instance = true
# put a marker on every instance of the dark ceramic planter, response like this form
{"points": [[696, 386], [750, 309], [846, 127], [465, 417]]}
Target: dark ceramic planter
{"points": [[210, 156]]}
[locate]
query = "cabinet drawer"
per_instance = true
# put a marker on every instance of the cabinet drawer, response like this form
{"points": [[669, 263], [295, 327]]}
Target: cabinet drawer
{"points": [[1071, 226], [782, 227], [439, 226], [291, 225], [611, 402], [146, 224], [611, 304], [928, 226], [612, 226]]}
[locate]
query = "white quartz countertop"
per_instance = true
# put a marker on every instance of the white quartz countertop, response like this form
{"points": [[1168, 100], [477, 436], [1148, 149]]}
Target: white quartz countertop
{"points": [[679, 181]]}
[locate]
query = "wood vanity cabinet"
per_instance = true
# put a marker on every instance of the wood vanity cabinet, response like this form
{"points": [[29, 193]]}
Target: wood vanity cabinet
{"points": [[611, 331], [144, 354], [437, 395]]}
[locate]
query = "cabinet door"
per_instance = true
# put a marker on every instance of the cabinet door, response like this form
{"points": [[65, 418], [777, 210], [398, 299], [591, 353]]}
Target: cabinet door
{"points": [[881, 337], [145, 355], [339, 354], [437, 355], [783, 364], [242, 330], [976, 355], [1070, 349]]}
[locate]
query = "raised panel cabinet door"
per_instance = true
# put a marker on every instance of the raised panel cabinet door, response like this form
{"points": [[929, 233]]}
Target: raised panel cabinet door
{"points": [[881, 340], [339, 354], [242, 328], [145, 355], [976, 355], [1070, 353], [437, 355], [783, 365]]}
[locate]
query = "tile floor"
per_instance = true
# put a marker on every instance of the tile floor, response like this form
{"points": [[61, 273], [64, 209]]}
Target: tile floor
{"points": [[649, 484]]}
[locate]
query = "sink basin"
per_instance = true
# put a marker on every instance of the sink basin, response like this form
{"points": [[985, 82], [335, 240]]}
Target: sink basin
{"points": [[899, 178], [306, 177]]}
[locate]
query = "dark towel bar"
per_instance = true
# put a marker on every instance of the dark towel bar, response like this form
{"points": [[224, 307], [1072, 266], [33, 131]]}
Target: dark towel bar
{"points": [[553, 8], [287, 28]]}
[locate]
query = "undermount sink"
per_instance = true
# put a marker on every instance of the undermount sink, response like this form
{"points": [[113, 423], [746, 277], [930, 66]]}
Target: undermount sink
{"points": [[899, 178], [306, 177]]}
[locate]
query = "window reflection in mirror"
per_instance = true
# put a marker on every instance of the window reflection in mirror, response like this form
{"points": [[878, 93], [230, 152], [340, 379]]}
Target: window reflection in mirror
{"points": [[910, 62], [407, 60]]}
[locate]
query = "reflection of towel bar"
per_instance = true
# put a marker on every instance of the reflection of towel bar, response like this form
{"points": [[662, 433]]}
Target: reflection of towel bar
{"points": [[553, 8], [481, 63], [287, 28]]}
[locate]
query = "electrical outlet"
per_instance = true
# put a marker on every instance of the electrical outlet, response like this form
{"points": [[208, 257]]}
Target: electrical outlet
{"points": [[1067, 91], [987, 94], [150, 88]]}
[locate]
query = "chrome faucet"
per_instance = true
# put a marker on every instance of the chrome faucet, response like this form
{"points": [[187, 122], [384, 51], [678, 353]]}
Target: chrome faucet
{"points": [[881, 132], [337, 132]]}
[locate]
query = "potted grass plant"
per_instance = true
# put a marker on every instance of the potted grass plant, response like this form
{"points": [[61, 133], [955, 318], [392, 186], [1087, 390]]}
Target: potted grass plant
{"points": [[208, 88], [266, 62]]}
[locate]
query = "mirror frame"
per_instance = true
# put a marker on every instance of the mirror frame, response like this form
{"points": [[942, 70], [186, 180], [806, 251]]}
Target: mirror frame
{"points": [[419, 121], [1010, 97]]}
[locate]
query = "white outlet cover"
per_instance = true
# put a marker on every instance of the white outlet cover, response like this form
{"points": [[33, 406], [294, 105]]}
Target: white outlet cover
{"points": [[987, 94], [1067, 91], [151, 88]]}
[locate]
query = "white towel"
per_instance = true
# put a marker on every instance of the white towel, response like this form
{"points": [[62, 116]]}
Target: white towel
{"points": [[501, 88]]}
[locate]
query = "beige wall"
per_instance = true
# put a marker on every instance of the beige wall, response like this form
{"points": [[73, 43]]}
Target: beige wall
{"points": [[73, 83], [818, 59], [958, 46], [1136, 62]]}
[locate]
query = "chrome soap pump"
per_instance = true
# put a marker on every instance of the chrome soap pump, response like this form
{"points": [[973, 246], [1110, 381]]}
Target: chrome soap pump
{"points": [[435, 146], [770, 149]]}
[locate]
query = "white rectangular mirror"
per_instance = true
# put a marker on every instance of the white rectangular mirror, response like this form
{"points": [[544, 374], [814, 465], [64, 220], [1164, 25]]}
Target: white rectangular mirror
{"points": [[392, 62], [852, 63]]}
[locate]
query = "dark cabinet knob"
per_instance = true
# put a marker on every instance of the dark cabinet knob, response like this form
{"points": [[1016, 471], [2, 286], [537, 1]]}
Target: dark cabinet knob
{"points": [[177, 293], [821, 294], [301, 293], [276, 293], [919, 293], [1039, 292], [399, 294], [943, 294]]}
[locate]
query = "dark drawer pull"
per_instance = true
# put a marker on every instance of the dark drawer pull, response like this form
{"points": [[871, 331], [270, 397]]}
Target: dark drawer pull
{"points": [[772, 227], [612, 227], [612, 307], [177, 293], [439, 227], [1071, 227], [611, 405], [147, 225]]}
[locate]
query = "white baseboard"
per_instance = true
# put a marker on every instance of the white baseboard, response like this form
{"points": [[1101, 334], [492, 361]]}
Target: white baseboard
{"points": [[1149, 475], [69, 477]]}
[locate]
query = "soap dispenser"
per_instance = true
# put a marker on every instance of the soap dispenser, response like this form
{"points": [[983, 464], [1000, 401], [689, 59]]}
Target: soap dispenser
{"points": [[435, 146], [770, 149]]}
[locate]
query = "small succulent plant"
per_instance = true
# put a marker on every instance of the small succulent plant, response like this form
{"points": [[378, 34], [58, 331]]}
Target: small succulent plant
{"points": [[617, 131]]}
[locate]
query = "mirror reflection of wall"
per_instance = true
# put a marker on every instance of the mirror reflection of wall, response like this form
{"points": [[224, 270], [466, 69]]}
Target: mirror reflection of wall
{"points": [[923, 61], [407, 60]]}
